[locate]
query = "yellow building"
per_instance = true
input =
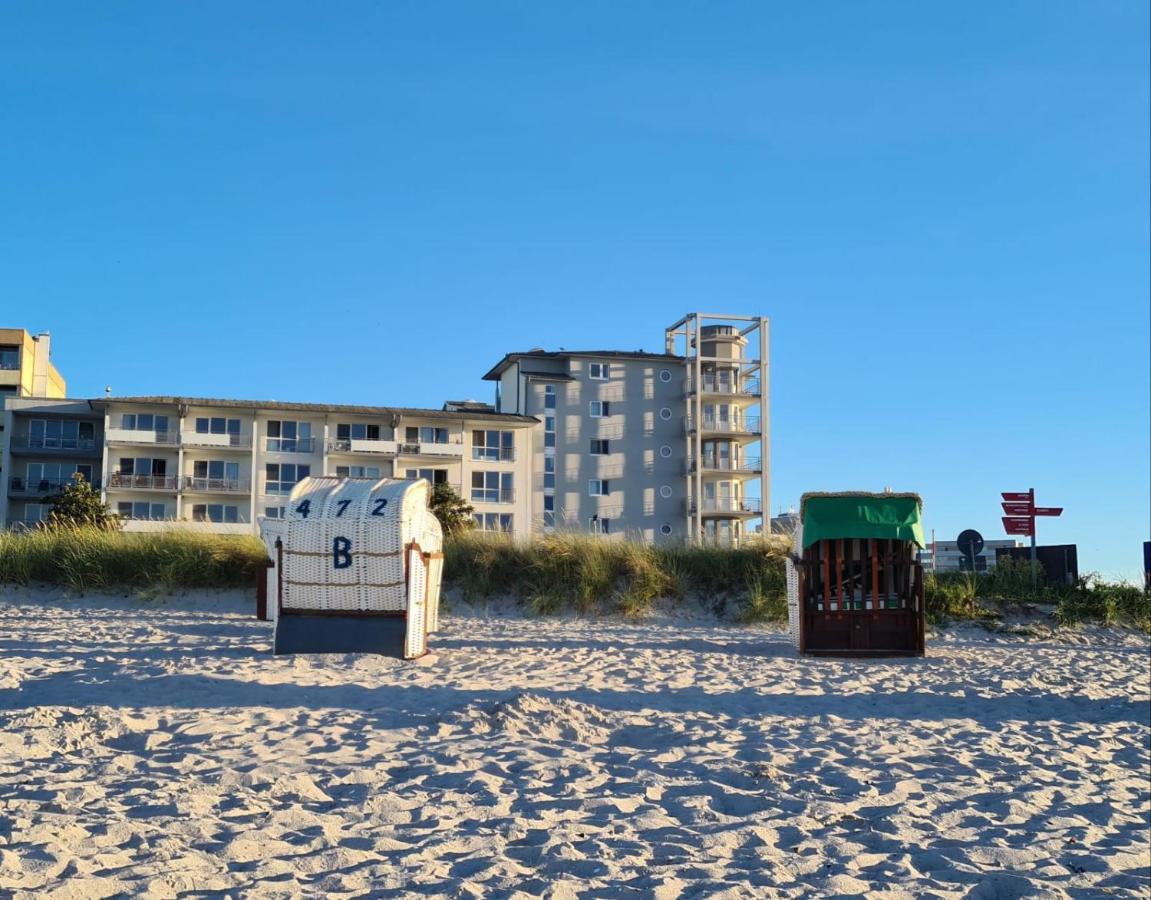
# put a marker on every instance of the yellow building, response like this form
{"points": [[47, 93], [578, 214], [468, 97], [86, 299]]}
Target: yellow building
{"points": [[25, 367]]}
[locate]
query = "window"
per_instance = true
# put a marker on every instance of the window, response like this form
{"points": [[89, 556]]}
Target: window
{"points": [[598, 487], [665, 529], [9, 358], [596, 525], [494, 522], [56, 434], [599, 447], [215, 512], [598, 371], [142, 510], [598, 409], [549, 510], [35, 512], [280, 477], [549, 473], [143, 422], [549, 431], [216, 468], [665, 414], [45, 477], [274, 512], [357, 432], [434, 476], [357, 471], [492, 487], [665, 375], [493, 445], [665, 451], [289, 437], [143, 472], [665, 491], [217, 425], [549, 396], [425, 434]]}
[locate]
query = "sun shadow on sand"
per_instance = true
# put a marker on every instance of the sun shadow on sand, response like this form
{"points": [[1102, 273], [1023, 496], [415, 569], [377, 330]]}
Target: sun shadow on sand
{"points": [[106, 684]]}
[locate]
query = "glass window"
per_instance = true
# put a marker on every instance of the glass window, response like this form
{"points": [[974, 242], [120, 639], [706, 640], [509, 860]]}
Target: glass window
{"points": [[598, 371], [549, 472], [286, 436], [494, 445], [281, 477], [597, 525], [598, 487], [549, 396], [357, 471], [357, 431], [493, 522], [599, 447], [598, 409]]}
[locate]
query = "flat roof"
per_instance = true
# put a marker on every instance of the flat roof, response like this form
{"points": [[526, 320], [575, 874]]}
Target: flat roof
{"points": [[506, 418], [509, 358]]}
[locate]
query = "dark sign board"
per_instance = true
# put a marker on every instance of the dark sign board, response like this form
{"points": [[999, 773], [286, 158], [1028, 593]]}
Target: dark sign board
{"points": [[1060, 561]]}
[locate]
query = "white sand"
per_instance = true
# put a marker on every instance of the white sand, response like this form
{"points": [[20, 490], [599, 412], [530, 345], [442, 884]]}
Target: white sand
{"points": [[157, 748]]}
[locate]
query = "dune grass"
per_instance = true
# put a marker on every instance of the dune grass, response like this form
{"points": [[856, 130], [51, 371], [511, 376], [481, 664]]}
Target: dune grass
{"points": [[90, 557], [962, 596], [589, 574]]}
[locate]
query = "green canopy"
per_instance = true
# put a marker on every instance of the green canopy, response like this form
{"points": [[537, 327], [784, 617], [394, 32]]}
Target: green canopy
{"points": [[831, 516]]}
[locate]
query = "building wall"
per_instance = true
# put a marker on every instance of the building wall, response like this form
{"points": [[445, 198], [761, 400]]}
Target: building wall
{"points": [[33, 374]]}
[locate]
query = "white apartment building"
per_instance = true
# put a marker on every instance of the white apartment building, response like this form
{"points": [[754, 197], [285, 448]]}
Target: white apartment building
{"points": [[660, 447], [222, 464], [651, 446]]}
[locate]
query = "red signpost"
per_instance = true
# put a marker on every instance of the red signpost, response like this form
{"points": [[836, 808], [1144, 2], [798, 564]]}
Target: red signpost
{"points": [[1021, 512]]}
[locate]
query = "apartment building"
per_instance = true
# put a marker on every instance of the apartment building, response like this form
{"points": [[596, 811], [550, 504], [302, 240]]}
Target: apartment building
{"points": [[660, 447], [25, 367], [46, 442], [226, 463]]}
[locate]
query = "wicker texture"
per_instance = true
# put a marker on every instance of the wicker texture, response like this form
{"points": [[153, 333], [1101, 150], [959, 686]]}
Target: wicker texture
{"points": [[792, 571]]}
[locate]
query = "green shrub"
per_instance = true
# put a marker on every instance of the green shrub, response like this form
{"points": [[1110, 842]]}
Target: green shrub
{"points": [[93, 557]]}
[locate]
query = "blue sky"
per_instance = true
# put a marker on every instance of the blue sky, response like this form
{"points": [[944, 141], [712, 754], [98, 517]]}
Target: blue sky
{"points": [[942, 207]]}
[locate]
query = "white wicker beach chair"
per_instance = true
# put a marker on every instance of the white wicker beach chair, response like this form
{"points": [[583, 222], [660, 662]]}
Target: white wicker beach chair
{"points": [[356, 567]]}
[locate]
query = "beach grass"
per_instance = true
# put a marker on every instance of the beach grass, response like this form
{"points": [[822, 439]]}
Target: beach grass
{"points": [[589, 574], [88, 557]]}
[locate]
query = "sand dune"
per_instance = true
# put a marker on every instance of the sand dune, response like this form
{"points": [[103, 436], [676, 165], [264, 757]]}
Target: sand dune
{"points": [[156, 748]]}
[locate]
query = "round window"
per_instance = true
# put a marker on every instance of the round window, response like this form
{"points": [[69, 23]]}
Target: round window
{"points": [[665, 451], [665, 413], [665, 528], [665, 491], [664, 375]]}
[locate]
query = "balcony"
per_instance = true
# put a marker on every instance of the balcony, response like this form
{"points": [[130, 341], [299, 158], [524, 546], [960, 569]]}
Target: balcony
{"points": [[143, 482], [55, 446], [138, 436], [216, 441], [290, 445], [435, 450], [21, 487], [728, 506], [748, 425], [216, 485], [356, 445], [494, 454], [748, 387], [490, 495], [749, 465]]}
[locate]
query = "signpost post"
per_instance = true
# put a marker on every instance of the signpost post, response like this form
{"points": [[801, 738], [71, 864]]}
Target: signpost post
{"points": [[1020, 519]]}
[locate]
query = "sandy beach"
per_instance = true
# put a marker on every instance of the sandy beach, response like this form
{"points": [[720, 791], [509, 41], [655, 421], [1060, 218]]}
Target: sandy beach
{"points": [[155, 747]]}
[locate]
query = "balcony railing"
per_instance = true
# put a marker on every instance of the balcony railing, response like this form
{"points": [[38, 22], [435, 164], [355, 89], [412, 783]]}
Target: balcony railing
{"points": [[406, 448], [487, 495], [241, 519], [361, 445], [143, 482], [494, 454], [54, 443], [720, 464], [746, 425], [290, 445], [40, 487], [217, 485], [748, 387], [140, 436], [9, 365], [216, 441], [743, 505]]}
